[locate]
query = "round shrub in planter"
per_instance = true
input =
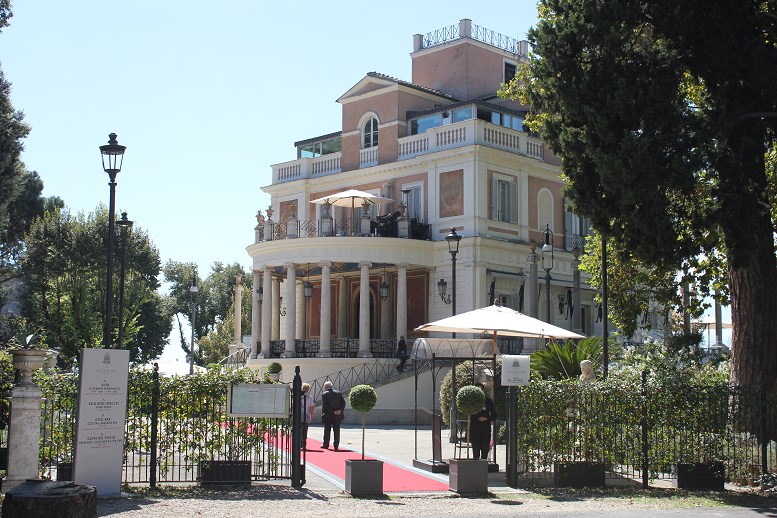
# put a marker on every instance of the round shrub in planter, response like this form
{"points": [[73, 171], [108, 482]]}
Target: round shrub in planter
{"points": [[470, 400], [469, 475], [274, 371], [363, 477]]}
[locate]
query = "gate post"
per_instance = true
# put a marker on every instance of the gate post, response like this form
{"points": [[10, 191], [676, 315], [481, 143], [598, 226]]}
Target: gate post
{"points": [[154, 424], [296, 437]]}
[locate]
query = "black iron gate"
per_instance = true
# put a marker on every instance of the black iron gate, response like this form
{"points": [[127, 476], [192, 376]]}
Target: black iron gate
{"points": [[177, 430]]}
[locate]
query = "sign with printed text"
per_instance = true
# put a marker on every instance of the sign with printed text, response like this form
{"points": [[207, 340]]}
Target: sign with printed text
{"points": [[515, 370], [101, 418], [259, 400]]}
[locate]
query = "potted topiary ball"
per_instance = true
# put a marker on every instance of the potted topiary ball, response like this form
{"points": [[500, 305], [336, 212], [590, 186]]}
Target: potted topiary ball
{"points": [[363, 477], [274, 371], [469, 475]]}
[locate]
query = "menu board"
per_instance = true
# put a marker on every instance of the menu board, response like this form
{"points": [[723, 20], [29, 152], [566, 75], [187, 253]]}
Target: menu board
{"points": [[259, 400], [515, 370], [101, 418]]}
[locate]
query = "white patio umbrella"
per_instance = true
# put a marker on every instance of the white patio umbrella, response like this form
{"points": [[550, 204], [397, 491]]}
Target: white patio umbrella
{"points": [[498, 320], [350, 197]]}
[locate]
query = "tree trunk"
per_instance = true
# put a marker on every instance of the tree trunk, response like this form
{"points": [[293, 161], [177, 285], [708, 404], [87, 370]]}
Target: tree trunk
{"points": [[749, 236]]}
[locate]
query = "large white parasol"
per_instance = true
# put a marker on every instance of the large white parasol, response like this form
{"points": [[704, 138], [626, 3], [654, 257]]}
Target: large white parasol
{"points": [[498, 320]]}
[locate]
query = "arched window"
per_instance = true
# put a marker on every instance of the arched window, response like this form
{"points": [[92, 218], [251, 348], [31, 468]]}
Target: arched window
{"points": [[370, 133], [545, 209]]}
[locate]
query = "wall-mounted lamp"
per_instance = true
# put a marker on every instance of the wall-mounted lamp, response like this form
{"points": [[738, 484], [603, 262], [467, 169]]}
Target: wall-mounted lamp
{"points": [[282, 311], [562, 303], [442, 288], [260, 294]]}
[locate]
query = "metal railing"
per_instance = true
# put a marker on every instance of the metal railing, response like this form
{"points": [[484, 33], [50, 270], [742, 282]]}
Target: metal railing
{"points": [[339, 348]]}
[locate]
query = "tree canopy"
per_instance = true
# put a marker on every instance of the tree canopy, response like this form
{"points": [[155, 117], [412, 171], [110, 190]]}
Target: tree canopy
{"points": [[663, 115], [65, 267]]}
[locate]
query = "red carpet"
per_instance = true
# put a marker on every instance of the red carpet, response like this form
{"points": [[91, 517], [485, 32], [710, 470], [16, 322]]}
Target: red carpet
{"points": [[395, 479]]}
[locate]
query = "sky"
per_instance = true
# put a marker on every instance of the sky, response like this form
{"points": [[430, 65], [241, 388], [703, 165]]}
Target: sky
{"points": [[206, 96]]}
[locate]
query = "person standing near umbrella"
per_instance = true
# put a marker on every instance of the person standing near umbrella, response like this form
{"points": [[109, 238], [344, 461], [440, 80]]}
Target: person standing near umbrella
{"points": [[480, 427]]}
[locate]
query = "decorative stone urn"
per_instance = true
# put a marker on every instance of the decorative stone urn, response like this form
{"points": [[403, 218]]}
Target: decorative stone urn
{"points": [[28, 361]]}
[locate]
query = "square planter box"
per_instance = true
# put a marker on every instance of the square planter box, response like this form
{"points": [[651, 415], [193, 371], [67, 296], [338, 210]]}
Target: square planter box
{"points": [[225, 472], [701, 476], [578, 474], [364, 477], [468, 475]]}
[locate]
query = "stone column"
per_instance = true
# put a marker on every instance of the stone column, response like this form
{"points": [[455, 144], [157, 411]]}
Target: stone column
{"points": [[276, 309], [256, 323], [299, 328], [385, 311], [364, 310], [268, 302], [291, 310], [342, 308], [24, 428], [326, 310], [238, 327], [531, 294], [401, 301]]}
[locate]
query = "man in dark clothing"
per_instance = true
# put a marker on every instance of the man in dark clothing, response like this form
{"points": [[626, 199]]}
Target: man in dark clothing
{"points": [[332, 406], [480, 427], [401, 353]]}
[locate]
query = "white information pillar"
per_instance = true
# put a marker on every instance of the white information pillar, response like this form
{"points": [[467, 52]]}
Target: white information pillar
{"points": [[291, 310], [364, 310], [101, 419], [326, 310]]}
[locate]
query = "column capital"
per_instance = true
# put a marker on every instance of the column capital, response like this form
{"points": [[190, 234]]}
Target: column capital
{"points": [[362, 264], [325, 263]]}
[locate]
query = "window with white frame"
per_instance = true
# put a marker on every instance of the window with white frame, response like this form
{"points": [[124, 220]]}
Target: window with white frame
{"points": [[415, 201], [575, 228], [504, 200], [370, 133]]}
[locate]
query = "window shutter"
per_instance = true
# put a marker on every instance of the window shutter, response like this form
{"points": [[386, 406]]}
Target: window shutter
{"points": [[513, 202], [494, 198]]}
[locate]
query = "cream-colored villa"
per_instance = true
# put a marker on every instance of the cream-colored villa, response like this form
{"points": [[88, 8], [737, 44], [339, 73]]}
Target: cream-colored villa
{"points": [[342, 280]]}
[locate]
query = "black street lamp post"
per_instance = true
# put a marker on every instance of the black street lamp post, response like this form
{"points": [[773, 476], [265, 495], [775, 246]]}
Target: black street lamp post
{"points": [[113, 156], [126, 226], [192, 300], [453, 240], [547, 246]]}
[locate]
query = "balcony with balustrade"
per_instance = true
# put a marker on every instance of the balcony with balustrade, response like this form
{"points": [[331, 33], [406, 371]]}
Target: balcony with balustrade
{"points": [[457, 135]]}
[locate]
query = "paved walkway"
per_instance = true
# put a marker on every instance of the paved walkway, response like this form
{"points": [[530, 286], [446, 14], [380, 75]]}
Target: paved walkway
{"points": [[395, 445]]}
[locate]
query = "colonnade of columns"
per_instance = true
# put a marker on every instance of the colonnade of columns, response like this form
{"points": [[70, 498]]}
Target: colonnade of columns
{"points": [[265, 314]]}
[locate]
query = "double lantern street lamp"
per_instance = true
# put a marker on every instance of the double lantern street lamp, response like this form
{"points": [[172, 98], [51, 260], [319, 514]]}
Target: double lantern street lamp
{"points": [[112, 157], [547, 265], [453, 240], [193, 290], [126, 225]]}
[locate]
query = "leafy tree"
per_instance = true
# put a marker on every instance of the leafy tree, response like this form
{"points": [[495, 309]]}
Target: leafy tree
{"points": [[663, 115], [214, 302], [65, 266]]}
